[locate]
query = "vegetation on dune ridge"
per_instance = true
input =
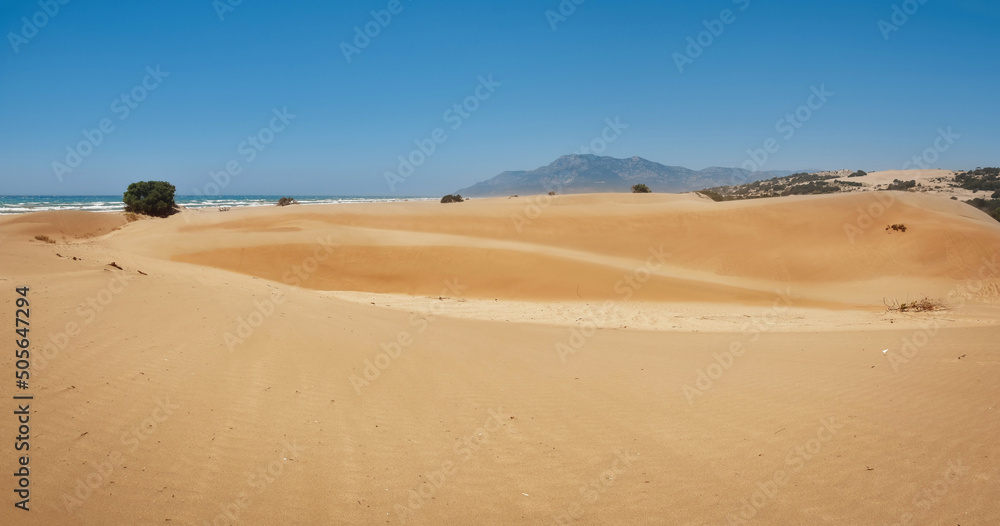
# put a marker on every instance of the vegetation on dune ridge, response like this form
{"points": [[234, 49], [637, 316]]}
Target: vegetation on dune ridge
{"points": [[990, 206], [902, 185], [986, 179], [641, 189], [801, 183]]}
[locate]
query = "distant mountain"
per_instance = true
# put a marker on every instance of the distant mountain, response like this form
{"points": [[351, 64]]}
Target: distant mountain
{"points": [[575, 174]]}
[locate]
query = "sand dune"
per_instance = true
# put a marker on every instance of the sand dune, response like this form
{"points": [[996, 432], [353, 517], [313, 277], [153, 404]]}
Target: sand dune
{"points": [[578, 247], [228, 383]]}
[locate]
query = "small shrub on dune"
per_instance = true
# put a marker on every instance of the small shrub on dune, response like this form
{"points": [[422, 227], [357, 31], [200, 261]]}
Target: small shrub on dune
{"points": [[45, 238], [452, 199], [922, 305], [641, 189], [285, 201], [902, 185]]}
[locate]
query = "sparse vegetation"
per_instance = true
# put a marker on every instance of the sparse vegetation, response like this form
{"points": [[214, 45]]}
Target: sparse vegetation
{"points": [[898, 227], [859, 173], [902, 185], [285, 201], [132, 216], [985, 179], [811, 188], [714, 196], [796, 184], [922, 305], [152, 198], [452, 199], [45, 238], [990, 206], [641, 189], [552, 192]]}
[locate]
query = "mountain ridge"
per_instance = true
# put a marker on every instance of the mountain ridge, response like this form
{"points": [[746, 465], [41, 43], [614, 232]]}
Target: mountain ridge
{"points": [[588, 173]]}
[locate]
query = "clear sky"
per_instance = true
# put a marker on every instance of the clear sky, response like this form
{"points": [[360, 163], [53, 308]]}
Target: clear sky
{"points": [[210, 75]]}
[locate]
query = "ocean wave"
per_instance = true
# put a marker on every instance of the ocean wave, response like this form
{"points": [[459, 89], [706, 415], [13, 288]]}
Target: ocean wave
{"points": [[25, 204]]}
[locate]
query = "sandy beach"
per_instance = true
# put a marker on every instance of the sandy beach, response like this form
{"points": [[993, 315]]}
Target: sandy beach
{"points": [[577, 359]]}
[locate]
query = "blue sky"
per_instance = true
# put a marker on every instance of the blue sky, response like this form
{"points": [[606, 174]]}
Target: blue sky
{"points": [[555, 82]]}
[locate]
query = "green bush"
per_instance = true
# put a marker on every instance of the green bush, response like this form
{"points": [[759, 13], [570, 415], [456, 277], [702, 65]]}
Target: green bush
{"points": [[151, 198], [811, 188], [285, 201], [640, 189], [902, 185], [452, 199]]}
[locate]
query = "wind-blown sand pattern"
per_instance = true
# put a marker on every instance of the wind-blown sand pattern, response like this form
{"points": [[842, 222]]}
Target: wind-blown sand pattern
{"points": [[584, 359]]}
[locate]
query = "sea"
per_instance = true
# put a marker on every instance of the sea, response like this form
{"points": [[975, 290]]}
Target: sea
{"points": [[19, 204]]}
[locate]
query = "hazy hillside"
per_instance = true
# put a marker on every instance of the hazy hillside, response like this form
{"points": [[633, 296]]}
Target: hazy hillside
{"points": [[591, 173]]}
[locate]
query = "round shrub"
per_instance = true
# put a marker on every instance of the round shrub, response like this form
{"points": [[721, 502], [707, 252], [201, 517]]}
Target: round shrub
{"points": [[151, 198]]}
